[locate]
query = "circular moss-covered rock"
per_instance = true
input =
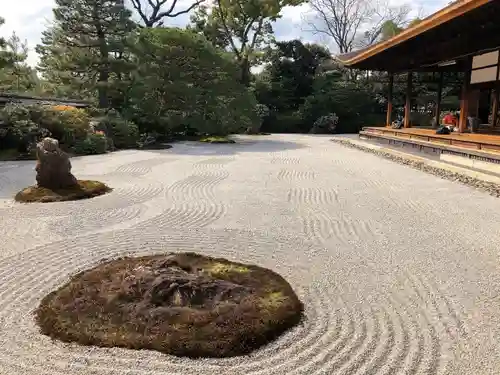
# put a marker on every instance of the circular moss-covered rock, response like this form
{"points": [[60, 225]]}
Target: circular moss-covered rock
{"points": [[182, 304], [83, 190]]}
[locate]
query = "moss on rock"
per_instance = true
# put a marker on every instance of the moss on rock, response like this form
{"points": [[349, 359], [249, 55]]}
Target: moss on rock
{"points": [[83, 190], [182, 304]]}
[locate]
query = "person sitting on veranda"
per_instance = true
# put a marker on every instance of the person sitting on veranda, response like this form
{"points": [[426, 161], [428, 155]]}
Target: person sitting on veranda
{"points": [[450, 119]]}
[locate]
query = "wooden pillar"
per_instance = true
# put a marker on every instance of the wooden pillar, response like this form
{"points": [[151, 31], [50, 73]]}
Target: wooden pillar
{"points": [[389, 100], [464, 104], [438, 99], [494, 114], [408, 100], [474, 96]]}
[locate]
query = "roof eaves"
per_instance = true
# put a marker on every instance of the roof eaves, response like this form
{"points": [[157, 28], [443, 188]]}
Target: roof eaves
{"points": [[446, 14]]}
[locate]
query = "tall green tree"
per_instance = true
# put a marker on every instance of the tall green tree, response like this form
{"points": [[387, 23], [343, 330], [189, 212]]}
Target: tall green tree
{"points": [[85, 47], [414, 22], [182, 80], [389, 29], [7, 58], [18, 76], [353, 102], [59, 65], [242, 27], [154, 12], [288, 77]]}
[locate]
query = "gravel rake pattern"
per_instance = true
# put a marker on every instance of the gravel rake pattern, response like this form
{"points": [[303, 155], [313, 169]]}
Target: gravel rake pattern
{"points": [[381, 295]]}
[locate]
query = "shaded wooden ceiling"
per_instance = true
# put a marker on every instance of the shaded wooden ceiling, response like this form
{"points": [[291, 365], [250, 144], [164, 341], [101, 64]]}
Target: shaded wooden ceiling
{"points": [[474, 31]]}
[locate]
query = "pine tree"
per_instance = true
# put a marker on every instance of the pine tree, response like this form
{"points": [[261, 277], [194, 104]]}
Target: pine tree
{"points": [[85, 47], [17, 76], [6, 57]]}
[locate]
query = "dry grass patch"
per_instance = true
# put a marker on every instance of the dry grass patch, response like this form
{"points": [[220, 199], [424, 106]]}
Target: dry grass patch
{"points": [[84, 189], [182, 304]]}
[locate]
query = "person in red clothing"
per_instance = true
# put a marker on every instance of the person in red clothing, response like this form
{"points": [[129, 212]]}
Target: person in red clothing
{"points": [[450, 119]]}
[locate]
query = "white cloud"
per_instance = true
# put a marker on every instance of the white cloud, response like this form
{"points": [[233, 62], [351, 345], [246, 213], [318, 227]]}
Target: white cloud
{"points": [[29, 18]]}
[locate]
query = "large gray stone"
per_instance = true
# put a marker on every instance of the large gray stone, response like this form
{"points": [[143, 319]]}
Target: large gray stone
{"points": [[53, 168]]}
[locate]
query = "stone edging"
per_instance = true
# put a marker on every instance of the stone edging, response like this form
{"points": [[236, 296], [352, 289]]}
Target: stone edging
{"points": [[486, 186]]}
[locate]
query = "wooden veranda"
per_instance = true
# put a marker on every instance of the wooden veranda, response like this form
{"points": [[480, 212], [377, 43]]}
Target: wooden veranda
{"points": [[474, 141], [464, 38]]}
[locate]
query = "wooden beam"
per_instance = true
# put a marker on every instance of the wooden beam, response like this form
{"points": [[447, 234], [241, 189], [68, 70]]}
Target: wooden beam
{"points": [[447, 14], [464, 103], [438, 99], [459, 39], [389, 100], [408, 100], [494, 115]]}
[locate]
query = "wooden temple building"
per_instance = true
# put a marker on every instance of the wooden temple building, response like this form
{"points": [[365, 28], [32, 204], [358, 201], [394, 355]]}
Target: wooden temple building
{"points": [[464, 38]]}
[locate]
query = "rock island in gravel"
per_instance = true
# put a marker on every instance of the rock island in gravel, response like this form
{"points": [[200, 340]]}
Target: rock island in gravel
{"points": [[182, 304], [55, 182]]}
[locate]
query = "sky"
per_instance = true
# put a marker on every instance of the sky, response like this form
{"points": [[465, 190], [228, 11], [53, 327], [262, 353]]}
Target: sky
{"points": [[29, 18]]}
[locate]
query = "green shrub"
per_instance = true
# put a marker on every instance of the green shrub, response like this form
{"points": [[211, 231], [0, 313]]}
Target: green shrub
{"points": [[183, 131], [375, 119], [183, 80], [67, 124], [283, 122], [110, 144], [123, 133], [17, 130], [262, 110], [91, 145], [325, 124], [351, 102], [263, 113], [95, 112]]}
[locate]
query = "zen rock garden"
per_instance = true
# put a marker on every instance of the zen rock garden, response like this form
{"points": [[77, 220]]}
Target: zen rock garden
{"points": [[279, 256], [183, 304], [202, 203]]}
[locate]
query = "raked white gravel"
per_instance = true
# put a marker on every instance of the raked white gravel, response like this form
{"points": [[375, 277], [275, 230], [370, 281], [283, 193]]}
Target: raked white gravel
{"points": [[398, 269]]}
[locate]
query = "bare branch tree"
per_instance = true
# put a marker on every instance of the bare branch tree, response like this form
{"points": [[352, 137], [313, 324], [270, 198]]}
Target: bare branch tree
{"points": [[153, 12], [384, 15], [351, 23]]}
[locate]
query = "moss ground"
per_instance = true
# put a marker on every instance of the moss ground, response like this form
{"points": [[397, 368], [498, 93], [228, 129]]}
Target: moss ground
{"points": [[183, 304], [216, 139], [85, 189]]}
